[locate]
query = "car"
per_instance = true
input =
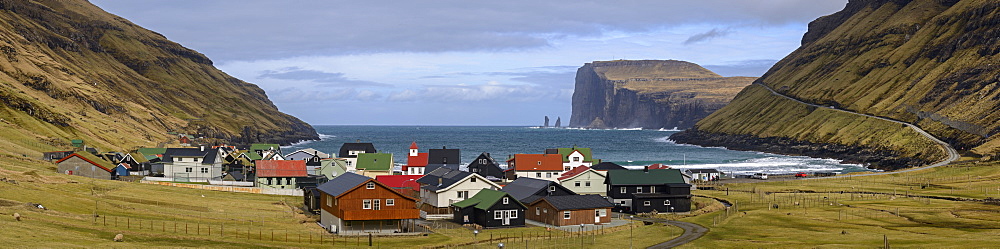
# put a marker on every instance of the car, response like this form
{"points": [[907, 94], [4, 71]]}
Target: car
{"points": [[801, 174], [762, 176]]}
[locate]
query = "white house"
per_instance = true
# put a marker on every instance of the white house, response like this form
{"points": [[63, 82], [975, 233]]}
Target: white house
{"points": [[584, 180], [192, 164], [443, 186]]}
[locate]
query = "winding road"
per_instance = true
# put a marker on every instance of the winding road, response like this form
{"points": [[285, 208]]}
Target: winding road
{"points": [[952, 153], [694, 231]]}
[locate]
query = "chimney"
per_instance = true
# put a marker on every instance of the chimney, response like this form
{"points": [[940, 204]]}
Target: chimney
{"points": [[440, 181], [444, 147], [359, 140], [645, 169], [202, 148]]}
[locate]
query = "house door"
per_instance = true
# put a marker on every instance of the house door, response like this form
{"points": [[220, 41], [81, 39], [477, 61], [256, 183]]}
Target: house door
{"points": [[506, 217], [376, 204], [597, 216]]}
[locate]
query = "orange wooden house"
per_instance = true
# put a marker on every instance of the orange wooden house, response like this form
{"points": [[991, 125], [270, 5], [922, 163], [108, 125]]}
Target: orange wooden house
{"points": [[356, 204]]}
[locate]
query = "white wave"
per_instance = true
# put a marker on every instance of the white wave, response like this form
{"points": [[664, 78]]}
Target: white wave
{"points": [[324, 136], [664, 129]]}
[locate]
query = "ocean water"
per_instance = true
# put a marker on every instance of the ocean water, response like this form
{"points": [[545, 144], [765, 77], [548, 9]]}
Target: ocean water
{"points": [[625, 147]]}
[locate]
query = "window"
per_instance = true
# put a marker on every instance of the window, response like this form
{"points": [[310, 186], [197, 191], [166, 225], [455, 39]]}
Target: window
{"points": [[370, 185], [666, 202], [638, 189], [552, 188], [498, 214], [390, 202], [576, 159], [366, 204], [463, 195], [548, 174], [602, 212], [576, 183], [189, 170], [329, 202], [587, 183], [539, 162], [482, 161], [196, 159], [623, 190], [512, 214], [376, 204], [539, 174], [652, 189], [348, 163], [506, 201], [538, 211], [473, 179], [645, 203], [566, 215], [204, 170], [545, 210]]}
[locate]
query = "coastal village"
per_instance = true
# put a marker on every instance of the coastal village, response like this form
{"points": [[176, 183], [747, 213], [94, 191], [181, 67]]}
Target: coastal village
{"points": [[359, 190]]}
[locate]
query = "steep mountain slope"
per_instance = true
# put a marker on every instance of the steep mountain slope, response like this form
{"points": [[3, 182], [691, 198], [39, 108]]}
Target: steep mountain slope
{"points": [[70, 70], [934, 64], [651, 94]]}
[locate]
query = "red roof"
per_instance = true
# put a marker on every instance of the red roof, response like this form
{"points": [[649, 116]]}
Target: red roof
{"points": [[416, 161], [659, 166], [573, 172], [413, 146], [536, 162], [400, 181], [281, 168]]}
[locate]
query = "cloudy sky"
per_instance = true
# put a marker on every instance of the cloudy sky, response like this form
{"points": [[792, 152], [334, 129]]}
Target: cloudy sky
{"points": [[462, 62]]}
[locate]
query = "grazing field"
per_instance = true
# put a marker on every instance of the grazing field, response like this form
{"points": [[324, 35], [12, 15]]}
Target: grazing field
{"points": [[951, 206], [160, 216]]}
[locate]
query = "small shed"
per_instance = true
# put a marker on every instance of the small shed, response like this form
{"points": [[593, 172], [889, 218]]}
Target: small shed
{"points": [[490, 208]]}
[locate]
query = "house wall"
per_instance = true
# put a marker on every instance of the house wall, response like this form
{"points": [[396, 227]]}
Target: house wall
{"points": [[486, 218], [548, 214], [596, 180], [447, 197], [545, 175], [178, 167], [350, 205], [277, 182], [570, 164], [680, 204], [374, 173], [81, 167]]}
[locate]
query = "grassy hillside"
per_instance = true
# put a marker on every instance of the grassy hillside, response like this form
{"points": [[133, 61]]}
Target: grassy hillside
{"points": [[70, 70], [930, 63]]}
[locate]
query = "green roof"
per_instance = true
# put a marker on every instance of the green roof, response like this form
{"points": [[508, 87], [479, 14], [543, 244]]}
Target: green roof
{"points": [[640, 177], [375, 161], [484, 199], [566, 151], [139, 157], [152, 151], [254, 147]]}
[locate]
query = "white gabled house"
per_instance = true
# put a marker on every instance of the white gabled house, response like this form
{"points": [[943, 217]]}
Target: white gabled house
{"points": [[443, 186]]}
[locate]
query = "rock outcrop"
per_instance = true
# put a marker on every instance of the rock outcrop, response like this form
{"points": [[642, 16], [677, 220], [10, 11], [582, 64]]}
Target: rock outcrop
{"points": [[650, 94], [70, 70], [929, 63]]}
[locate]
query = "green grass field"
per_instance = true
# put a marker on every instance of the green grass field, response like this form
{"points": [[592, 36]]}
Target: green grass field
{"points": [[921, 209]]}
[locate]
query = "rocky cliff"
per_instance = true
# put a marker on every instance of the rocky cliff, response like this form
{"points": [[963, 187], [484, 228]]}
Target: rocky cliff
{"points": [[650, 94], [929, 63], [70, 70]]}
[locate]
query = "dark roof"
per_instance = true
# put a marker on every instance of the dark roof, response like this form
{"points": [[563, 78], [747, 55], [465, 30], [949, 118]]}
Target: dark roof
{"points": [[211, 156], [444, 156], [485, 199], [432, 167], [342, 183], [447, 176], [644, 177], [528, 189], [704, 171], [571, 202], [607, 166], [170, 153], [344, 149]]}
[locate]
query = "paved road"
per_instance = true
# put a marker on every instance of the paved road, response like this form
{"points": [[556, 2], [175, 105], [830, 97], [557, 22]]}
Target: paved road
{"points": [[691, 232], [952, 153]]}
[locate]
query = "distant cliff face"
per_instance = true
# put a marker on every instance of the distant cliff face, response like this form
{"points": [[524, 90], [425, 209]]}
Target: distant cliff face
{"points": [[650, 94], [929, 63], [70, 70]]}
